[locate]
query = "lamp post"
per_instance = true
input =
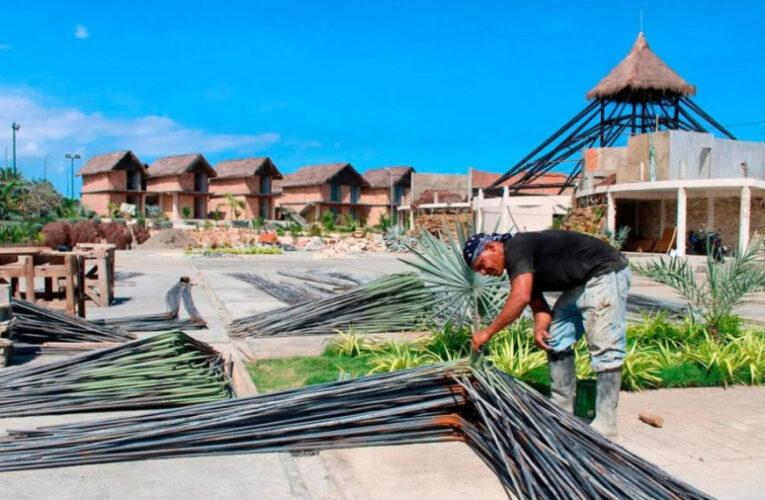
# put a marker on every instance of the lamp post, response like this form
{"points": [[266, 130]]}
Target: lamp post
{"points": [[15, 127], [392, 201], [72, 157]]}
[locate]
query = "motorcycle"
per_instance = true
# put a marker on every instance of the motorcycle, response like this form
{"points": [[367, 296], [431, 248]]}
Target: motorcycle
{"points": [[707, 243]]}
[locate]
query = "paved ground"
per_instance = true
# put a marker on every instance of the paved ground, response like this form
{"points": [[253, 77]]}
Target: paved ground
{"points": [[712, 438]]}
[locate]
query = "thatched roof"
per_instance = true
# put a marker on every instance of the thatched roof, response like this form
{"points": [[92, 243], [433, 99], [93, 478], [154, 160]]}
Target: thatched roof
{"points": [[312, 175], [179, 164], [247, 167], [383, 177], [641, 76], [120, 160]]}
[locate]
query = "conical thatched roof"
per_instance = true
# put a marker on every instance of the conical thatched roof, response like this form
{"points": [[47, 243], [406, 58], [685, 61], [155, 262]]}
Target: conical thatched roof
{"points": [[641, 76]]}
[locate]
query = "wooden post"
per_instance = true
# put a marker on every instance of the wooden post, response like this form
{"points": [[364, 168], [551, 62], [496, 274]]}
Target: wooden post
{"points": [[682, 203], [29, 277], [5, 302], [743, 218], [69, 285]]}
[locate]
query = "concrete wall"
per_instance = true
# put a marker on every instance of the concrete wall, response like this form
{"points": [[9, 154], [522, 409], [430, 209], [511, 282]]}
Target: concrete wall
{"points": [[523, 213], [423, 182], [726, 157], [378, 200]]}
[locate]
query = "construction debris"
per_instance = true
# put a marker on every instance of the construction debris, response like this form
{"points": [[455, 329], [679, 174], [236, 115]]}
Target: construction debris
{"points": [[165, 370], [535, 449], [348, 247], [391, 304], [168, 239]]}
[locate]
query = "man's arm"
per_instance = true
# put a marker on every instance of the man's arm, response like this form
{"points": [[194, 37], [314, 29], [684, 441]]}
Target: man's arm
{"points": [[519, 298], [542, 320]]}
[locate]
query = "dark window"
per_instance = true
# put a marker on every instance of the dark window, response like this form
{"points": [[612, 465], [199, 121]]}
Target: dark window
{"points": [[334, 192], [334, 210], [200, 182], [398, 194], [265, 184], [355, 194], [264, 208]]}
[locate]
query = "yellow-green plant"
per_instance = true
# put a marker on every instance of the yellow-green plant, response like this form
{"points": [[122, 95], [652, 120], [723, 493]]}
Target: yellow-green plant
{"points": [[398, 355], [640, 369], [516, 355], [351, 344]]}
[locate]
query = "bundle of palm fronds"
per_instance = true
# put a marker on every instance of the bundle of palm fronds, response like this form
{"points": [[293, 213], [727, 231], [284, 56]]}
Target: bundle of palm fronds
{"points": [[535, 449], [285, 292], [314, 284], [179, 293], [168, 369], [460, 295], [36, 324], [390, 304]]}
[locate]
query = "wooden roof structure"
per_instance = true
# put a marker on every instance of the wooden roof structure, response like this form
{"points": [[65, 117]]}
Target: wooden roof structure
{"points": [[312, 175], [247, 167], [180, 164], [120, 160], [641, 94], [385, 176]]}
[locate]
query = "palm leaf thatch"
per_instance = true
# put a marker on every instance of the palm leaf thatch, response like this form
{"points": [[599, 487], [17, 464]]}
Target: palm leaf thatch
{"points": [[165, 370], [390, 304], [535, 449]]}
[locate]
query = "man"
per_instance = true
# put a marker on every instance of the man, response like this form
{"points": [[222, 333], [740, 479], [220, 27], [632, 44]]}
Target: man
{"points": [[594, 278]]}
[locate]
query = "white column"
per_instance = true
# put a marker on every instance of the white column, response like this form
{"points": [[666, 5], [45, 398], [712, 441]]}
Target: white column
{"points": [[743, 218], [176, 213], [710, 213], [479, 212], [682, 204], [610, 212], [504, 225]]}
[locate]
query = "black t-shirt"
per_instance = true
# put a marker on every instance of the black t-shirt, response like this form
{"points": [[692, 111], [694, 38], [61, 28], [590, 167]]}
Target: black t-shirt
{"points": [[560, 260]]}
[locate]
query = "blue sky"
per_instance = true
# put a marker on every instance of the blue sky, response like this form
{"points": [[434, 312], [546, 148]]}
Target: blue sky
{"points": [[439, 85]]}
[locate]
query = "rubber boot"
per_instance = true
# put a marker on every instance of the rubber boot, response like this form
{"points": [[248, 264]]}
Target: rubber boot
{"points": [[562, 379], [609, 383]]}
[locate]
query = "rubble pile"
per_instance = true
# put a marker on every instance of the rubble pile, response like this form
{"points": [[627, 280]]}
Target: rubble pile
{"points": [[348, 247], [221, 237], [168, 238], [590, 219], [434, 223]]}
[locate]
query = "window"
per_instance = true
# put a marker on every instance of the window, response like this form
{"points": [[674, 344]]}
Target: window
{"points": [[355, 192], [264, 208], [334, 192], [265, 184], [398, 194]]}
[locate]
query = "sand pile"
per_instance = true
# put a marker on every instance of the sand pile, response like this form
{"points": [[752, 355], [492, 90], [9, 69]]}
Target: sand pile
{"points": [[169, 238]]}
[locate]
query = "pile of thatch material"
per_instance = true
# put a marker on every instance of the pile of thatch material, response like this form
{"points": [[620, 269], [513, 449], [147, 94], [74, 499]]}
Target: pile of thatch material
{"points": [[86, 231], [118, 235], [140, 233], [63, 233], [57, 233]]}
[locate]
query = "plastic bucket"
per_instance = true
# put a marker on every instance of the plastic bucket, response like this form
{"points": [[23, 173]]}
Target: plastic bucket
{"points": [[586, 395]]}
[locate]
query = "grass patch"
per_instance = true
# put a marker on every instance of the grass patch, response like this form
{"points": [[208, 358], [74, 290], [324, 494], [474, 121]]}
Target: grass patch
{"points": [[237, 251], [288, 373]]}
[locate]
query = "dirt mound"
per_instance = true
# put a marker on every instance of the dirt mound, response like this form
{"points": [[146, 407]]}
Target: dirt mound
{"points": [[57, 233], [169, 238], [86, 231], [117, 234], [140, 233]]}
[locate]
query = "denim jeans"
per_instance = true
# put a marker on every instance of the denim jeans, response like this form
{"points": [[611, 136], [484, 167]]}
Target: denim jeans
{"points": [[597, 310]]}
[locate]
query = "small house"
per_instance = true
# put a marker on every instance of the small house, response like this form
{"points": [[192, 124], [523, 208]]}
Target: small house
{"points": [[111, 179], [248, 183], [316, 189], [178, 185], [389, 188]]}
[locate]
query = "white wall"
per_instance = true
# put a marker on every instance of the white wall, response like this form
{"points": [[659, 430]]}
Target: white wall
{"points": [[519, 213], [726, 156]]}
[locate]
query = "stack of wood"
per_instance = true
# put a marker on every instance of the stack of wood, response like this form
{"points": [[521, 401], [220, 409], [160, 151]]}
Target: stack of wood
{"points": [[435, 223]]}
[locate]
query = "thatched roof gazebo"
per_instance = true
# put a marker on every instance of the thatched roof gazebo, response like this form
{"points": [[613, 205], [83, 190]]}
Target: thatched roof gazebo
{"points": [[641, 94]]}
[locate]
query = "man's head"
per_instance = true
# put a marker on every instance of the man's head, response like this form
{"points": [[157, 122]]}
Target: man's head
{"points": [[485, 253]]}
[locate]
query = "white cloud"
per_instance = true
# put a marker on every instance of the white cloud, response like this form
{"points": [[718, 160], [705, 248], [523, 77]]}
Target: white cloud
{"points": [[5, 46], [50, 130], [81, 32]]}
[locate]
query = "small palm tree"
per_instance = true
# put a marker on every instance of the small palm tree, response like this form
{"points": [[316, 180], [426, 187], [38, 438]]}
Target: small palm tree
{"points": [[235, 205], [722, 289]]}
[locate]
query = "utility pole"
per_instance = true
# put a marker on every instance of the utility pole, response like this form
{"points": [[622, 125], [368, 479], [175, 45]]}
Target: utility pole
{"points": [[15, 127], [72, 157], [392, 201]]}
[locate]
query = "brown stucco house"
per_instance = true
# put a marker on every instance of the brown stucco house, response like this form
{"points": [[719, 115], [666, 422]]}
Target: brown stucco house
{"points": [[250, 181], [316, 189], [176, 182], [112, 178], [388, 186]]}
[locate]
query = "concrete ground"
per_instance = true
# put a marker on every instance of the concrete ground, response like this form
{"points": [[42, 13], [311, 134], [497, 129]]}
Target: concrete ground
{"points": [[712, 438]]}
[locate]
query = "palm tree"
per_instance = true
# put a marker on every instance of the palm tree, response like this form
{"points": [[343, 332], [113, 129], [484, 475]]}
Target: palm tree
{"points": [[724, 285], [235, 205]]}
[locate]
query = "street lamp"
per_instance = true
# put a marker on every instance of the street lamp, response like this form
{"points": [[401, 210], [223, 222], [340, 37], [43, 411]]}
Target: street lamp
{"points": [[15, 127], [392, 201], [72, 156]]}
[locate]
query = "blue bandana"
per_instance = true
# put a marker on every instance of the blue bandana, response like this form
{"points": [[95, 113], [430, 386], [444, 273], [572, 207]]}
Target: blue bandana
{"points": [[475, 245]]}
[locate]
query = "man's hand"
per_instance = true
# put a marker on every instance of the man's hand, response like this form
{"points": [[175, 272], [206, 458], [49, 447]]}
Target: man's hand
{"points": [[479, 339], [540, 339]]}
